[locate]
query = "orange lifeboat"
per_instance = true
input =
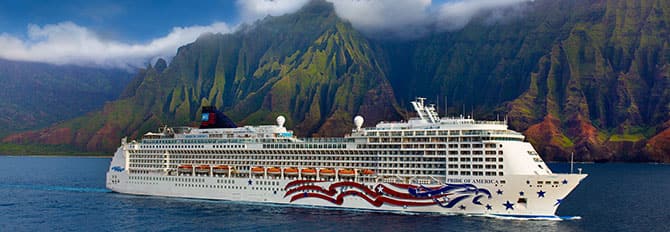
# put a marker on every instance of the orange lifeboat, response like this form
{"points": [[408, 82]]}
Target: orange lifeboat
{"points": [[347, 172], [308, 171], [221, 169], [327, 172], [367, 172], [274, 171], [290, 171], [185, 168], [202, 169], [258, 170]]}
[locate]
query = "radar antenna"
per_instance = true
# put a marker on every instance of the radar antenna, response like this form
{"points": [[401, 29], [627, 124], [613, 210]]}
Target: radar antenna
{"points": [[426, 113]]}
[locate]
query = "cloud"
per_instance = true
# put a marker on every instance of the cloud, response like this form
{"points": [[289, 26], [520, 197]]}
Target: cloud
{"points": [[251, 10], [405, 18], [69, 43], [389, 16], [456, 14]]}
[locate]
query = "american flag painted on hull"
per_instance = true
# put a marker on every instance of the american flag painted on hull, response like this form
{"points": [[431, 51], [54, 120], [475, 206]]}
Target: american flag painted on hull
{"points": [[405, 195]]}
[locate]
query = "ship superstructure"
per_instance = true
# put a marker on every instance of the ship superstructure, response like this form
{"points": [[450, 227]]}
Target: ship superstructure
{"points": [[426, 164]]}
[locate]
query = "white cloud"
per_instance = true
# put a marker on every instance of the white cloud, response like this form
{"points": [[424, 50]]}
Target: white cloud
{"points": [[388, 16], [69, 43], [397, 17], [251, 10], [456, 14]]}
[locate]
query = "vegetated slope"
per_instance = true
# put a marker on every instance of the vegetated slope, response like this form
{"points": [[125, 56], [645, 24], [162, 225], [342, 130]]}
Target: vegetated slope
{"points": [[310, 66], [35, 95], [588, 77], [604, 86]]}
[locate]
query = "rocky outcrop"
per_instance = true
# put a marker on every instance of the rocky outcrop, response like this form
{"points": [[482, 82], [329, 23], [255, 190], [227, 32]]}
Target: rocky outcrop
{"points": [[585, 77]]}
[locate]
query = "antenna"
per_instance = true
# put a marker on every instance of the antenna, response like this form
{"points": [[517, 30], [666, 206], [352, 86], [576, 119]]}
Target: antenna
{"points": [[464, 112], [437, 105], [572, 162], [446, 109]]}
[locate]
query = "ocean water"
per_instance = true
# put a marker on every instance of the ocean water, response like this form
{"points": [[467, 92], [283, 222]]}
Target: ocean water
{"points": [[68, 194]]}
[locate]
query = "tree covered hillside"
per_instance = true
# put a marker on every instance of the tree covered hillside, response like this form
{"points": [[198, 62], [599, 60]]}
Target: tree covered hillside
{"points": [[588, 77]]}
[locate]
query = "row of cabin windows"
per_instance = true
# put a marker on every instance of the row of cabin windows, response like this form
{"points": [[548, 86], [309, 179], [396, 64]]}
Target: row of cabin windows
{"points": [[465, 152], [426, 139], [475, 159], [431, 132], [292, 157], [305, 146], [474, 173], [475, 166]]}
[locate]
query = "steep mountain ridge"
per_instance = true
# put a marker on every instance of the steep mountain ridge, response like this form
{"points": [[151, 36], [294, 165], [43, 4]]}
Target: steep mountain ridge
{"points": [[588, 77], [36, 95], [605, 82], [310, 66]]}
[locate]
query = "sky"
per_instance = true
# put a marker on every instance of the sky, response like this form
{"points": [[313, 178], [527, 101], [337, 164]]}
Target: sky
{"points": [[128, 34]]}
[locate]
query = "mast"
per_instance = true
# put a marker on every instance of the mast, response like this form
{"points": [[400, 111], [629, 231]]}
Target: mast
{"points": [[426, 113], [572, 162]]}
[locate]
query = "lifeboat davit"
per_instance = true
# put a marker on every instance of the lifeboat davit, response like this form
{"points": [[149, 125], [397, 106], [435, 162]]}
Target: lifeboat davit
{"points": [[258, 170], [308, 172], [291, 171], [327, 172], [367, 172], [347, 172], [202, 169], [221, 169], [274, 171], [185, 168]]}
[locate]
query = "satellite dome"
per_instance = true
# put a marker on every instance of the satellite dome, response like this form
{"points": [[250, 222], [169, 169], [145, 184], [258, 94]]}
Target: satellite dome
{"points": [[280, 121], [358, 121]]}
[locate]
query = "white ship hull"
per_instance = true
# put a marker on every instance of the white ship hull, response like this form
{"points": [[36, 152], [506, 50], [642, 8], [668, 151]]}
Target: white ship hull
{"points": [[484, 198], [448, 166]]}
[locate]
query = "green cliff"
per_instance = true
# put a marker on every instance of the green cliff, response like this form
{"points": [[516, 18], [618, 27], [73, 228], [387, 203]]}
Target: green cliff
{"points": [[588, 77]]}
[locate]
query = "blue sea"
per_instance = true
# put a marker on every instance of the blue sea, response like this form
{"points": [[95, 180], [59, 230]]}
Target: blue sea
{"points": [[68, 194]]}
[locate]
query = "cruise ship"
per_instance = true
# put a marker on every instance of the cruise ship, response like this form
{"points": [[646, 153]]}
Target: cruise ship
{"points": [[425, 164]]}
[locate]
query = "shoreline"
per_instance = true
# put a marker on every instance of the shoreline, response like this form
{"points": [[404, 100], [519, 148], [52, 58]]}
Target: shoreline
{"points": [[61, 155]]}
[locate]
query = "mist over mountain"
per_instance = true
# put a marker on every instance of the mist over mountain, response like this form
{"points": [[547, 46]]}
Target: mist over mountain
{"points": [[36, 95], [588, 77]]}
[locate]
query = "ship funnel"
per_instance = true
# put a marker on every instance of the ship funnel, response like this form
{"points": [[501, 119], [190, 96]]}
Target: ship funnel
{"points": [[280, 121], [358, 121], [213, 118]]}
